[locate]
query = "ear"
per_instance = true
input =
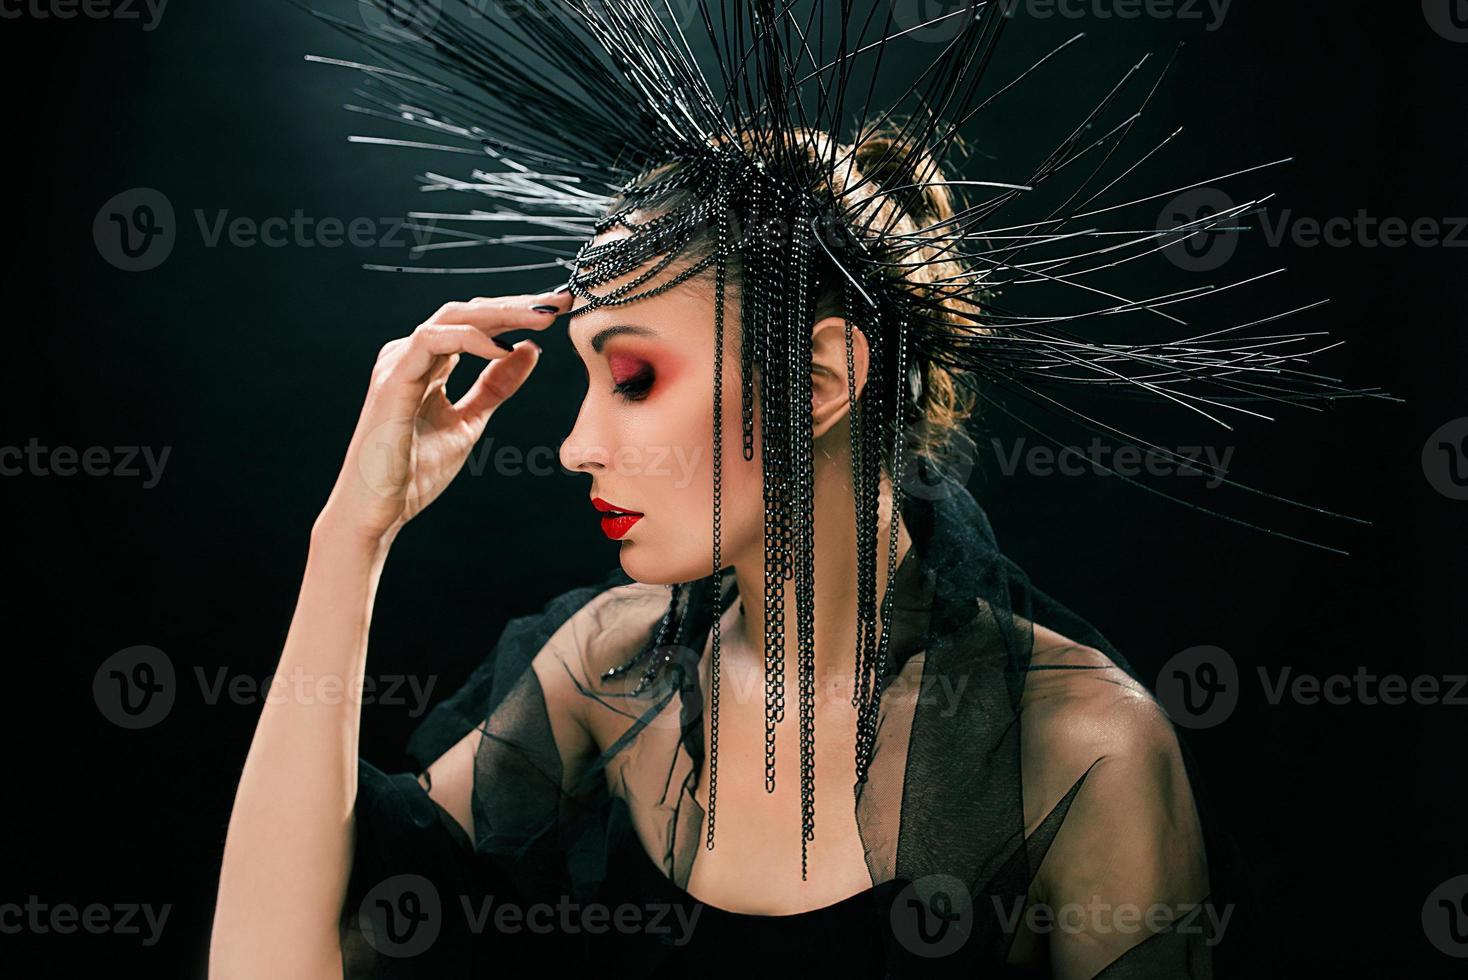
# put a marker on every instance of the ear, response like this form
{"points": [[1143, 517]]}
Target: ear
{"points": [[830, 397]]}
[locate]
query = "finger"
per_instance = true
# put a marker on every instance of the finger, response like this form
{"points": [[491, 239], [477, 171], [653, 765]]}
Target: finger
{"points": [[419, 359], [497, 382], [438, 375], [497, 314]]}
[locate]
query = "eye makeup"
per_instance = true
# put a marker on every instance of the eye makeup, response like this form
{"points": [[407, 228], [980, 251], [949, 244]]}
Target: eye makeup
{"points": [[632, 376]]}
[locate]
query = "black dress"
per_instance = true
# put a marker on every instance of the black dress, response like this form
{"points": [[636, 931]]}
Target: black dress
{"points": [[997, 743]]}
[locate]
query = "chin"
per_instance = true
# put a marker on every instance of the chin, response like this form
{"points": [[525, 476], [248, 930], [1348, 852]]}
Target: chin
{"points": [[646, 563]]}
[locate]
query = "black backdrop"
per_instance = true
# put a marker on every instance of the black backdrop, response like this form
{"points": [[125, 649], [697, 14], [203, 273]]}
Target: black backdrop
{"points": [[248, 364]]}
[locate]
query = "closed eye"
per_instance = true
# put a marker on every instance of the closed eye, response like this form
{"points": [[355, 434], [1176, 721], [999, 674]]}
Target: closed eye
{"points": [[635, 388]]}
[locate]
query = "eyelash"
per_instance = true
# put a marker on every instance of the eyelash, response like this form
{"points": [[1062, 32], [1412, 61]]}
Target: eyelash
{"points": [[635, 388]]}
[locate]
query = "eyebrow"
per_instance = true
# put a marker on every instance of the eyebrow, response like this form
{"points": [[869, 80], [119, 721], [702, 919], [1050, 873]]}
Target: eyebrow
{"points": [[600, 340]]}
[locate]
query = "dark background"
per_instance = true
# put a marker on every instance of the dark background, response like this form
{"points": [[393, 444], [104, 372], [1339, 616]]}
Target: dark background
{"points": [[250, 365]]}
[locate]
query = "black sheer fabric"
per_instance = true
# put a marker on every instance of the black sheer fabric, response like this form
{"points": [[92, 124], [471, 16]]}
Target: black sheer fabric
{"points": [[1028, 801]]}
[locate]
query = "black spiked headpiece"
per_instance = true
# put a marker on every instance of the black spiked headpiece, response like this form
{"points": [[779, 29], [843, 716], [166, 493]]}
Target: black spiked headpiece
{"points": [[598, 116]]}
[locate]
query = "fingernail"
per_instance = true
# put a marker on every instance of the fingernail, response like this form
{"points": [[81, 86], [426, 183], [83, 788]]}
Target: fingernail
{"points": [[502, 346], [545, 308]]}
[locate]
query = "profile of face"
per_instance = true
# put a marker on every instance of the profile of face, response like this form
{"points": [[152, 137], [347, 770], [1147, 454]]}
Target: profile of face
{"points": [[644, 432]]}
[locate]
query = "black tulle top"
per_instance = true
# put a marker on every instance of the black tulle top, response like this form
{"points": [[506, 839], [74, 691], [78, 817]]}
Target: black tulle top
{"points": [[1041, 745]]}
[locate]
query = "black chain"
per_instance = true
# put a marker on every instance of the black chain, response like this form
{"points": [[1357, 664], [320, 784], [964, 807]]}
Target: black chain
{"points": [[760, 285], [802, 450], [775, 321], [867, 721], [719, 275]]}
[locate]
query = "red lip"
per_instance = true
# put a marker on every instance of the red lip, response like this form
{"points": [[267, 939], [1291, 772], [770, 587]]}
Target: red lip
{"points": [[603, 506], [617, 520]]}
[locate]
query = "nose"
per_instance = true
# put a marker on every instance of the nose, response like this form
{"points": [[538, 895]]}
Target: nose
{"points": [[584, 450]]}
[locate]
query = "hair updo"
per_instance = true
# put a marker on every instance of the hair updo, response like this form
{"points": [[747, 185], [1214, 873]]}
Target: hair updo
{"points": [[889, 189]]}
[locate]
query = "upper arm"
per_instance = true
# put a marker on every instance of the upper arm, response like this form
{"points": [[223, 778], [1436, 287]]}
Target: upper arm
{"points": [[1128, 859]]}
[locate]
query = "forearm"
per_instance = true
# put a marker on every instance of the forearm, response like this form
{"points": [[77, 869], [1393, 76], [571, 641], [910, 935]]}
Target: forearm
{"points": [[287, 855]]}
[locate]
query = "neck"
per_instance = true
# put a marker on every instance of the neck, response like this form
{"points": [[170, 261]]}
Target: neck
{"points": [[834, 564]]}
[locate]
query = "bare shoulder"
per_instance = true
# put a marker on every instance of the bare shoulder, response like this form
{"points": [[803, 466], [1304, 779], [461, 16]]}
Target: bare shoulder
{"points": [[1079, 706], [1102, 758]]}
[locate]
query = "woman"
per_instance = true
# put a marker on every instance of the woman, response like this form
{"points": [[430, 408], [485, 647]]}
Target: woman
{"points": [[973, 782], [1028, 842]]}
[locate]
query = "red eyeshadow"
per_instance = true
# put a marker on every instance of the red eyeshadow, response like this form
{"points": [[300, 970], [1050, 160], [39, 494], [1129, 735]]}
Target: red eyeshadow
{"points": [[625, 367]]}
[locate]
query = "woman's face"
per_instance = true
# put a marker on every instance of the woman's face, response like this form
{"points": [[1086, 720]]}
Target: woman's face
{"points": [[645, 431]]}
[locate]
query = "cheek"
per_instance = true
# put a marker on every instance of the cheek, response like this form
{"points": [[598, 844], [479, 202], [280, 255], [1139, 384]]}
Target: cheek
{"points": [[673, 432]]}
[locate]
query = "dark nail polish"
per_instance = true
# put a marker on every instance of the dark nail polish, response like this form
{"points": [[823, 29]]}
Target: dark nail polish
{"points": [[545, 308], [503, 346]]}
